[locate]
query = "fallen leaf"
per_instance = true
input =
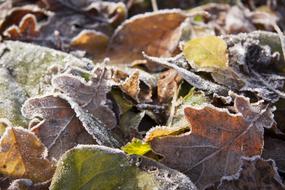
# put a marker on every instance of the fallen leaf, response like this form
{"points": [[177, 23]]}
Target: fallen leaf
{"points": [[60, 129], [216, 137], [137, 147], [156, 33], [12, 97], [90, 103], [254, 173], [23, 155], [98, 167], [29, 64], [162, 131], [206, 53], [167, 84]]}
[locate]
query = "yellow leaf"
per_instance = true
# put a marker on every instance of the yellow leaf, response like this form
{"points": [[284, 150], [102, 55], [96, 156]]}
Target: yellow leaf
{"points": [[137, 147], [22, 155], [206, 53], [161, 131]]}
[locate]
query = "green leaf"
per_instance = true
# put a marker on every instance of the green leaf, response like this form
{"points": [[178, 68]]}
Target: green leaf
{"points": [[137, 147], [98, 167], [206, 53]]}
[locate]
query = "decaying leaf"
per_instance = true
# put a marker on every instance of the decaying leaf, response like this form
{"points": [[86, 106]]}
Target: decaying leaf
{"points": [[156, 33], [98, 167], [60, 129], [254, 173], [137, 147], [23, 155], [216, 137], [206, 53]]}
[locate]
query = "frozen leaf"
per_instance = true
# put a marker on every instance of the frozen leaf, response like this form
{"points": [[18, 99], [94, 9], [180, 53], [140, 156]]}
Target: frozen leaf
{"points": [[217, 136], [137, 147], [206, 53], [98, 167], [156, 33], [59, 129], [28, 64], [274, 149], [254, 173], [90, 103], [12, 97], [23, 155], [91, 96], [195, 80], [162, 131], [123, 103]]}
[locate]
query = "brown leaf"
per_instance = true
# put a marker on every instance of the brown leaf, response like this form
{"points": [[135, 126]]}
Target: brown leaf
{"points": [[23, 155], [217, 136], [254, 173], [59, 129], [90, 103], [156, 33], [167, 85], [137, 89]]}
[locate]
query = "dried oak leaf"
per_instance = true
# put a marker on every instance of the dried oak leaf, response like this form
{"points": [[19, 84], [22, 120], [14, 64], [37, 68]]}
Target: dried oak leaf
{"points": [[99, 167], [59, 129], [22, 155], [90, 103], [217, 136], [274, 149], [254, 173], [156, 33]]}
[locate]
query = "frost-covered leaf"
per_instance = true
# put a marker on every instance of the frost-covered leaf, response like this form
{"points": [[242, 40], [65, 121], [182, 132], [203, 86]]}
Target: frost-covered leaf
{"points": [[98, 167], [254, 173], [156, 33], [28, 64], [206, 53], [217, 136], [22, 155], [162, 131], [90, 103], [60, 129], [137, 147], [12, 97]]}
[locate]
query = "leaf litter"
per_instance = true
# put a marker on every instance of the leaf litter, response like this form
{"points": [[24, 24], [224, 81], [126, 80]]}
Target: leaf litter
{"points": [[141, 95]]}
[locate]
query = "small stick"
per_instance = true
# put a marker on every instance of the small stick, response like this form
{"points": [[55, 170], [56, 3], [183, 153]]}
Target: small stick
{"points": [[154, 5]]}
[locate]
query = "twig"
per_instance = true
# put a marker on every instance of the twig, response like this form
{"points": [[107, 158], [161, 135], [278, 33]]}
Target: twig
{"points": [[154, 5]]}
